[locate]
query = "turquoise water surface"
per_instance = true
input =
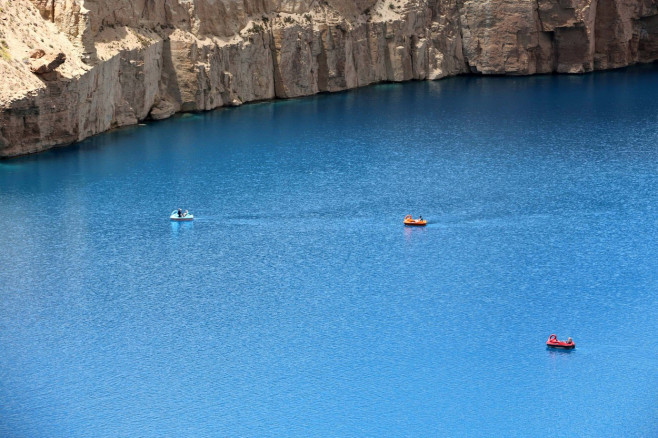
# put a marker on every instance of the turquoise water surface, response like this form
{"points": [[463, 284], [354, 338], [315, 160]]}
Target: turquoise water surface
{"points": [[297, 304]]}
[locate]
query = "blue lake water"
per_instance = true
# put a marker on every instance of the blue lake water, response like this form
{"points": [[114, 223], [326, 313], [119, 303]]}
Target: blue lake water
{"points": [[297, 304]]}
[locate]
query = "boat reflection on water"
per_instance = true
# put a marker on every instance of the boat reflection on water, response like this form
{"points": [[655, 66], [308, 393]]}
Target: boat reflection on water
{"points": [[180, 226], [409, 231], [557, 356]]}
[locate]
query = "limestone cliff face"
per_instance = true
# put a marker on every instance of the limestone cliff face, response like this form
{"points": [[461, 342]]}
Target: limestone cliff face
{"points": [[564, 36], [129, 60]]}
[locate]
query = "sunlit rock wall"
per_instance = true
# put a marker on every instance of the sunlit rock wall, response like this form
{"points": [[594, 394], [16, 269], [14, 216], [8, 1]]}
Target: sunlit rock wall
{"points": [[127, 61]]}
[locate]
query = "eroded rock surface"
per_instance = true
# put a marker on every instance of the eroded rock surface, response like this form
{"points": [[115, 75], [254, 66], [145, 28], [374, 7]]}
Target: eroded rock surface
{"points": [[128, 60]]}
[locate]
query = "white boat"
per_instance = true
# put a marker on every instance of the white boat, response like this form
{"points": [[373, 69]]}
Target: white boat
{"points": [[185, 217]]}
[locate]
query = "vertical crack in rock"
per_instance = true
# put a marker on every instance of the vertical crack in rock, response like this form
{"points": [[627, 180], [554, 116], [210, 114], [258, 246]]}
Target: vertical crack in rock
{"points": [[541, 23]]}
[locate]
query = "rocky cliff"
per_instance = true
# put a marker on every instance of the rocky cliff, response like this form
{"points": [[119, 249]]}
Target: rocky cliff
{"points": [[73, 68]]}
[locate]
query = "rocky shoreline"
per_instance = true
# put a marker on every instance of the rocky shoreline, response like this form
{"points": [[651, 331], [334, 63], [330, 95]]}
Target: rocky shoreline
{"points": [[96, 65]]}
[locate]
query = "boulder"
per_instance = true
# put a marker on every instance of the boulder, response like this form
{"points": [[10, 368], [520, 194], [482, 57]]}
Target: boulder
{"points": [[38, 53], [47, 63]]}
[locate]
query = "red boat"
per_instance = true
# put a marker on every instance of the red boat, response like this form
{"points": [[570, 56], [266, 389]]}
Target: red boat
{"points": [[555, 343]]}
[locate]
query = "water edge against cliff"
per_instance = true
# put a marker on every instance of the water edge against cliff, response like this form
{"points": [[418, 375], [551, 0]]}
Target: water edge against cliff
{"points": [[297, 305]]}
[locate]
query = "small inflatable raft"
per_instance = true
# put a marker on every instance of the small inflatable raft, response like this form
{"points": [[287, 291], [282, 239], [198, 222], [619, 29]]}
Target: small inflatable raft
{"points": [[185, 216], [555, 343], [408, 220]]}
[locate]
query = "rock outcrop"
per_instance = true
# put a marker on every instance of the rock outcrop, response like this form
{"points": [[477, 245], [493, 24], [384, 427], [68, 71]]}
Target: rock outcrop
{"points": [[127, 61], [46, 63]]}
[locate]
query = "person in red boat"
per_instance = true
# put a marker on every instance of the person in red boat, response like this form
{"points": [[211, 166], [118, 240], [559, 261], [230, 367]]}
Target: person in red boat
{"points": [[569, 341]]}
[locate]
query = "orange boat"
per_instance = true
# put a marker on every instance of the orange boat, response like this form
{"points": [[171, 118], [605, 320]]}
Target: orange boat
{"points": [[408, 220]]}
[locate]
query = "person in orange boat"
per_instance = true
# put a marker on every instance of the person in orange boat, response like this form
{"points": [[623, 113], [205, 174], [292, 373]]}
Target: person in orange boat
{"points": [[569, 341]]}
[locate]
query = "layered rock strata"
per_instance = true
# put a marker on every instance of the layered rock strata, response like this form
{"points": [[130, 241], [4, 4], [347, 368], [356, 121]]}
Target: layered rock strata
{"points": [[127, 61]]}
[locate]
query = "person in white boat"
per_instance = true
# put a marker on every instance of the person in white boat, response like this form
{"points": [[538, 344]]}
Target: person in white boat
{"points": [[180, 212], [185, 214]]}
